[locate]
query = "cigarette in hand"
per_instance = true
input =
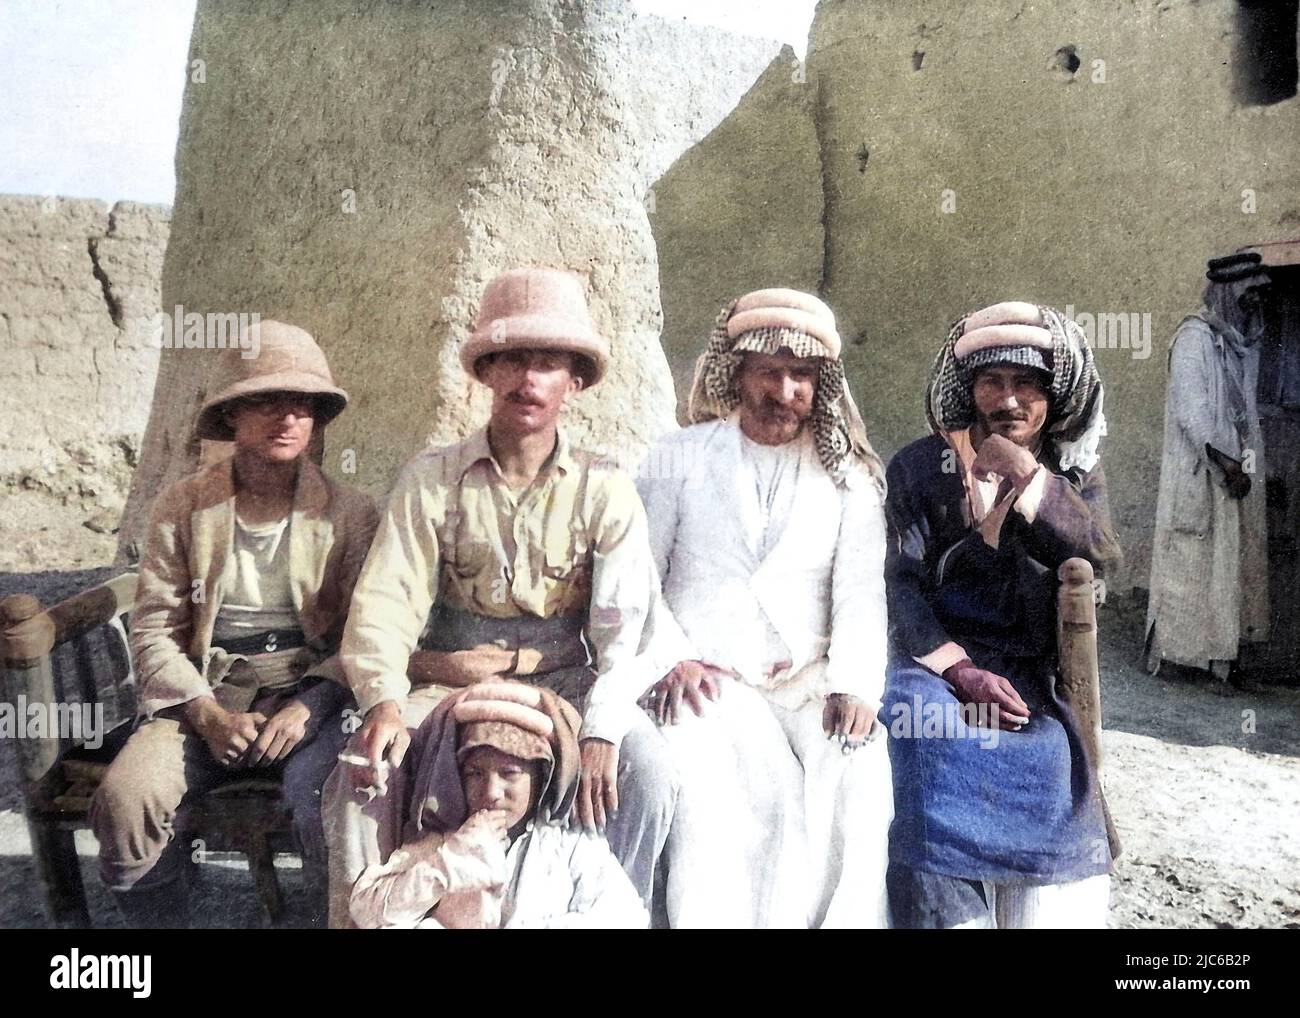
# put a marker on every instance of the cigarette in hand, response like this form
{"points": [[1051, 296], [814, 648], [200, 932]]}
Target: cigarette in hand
{"points": [[372, 791]]}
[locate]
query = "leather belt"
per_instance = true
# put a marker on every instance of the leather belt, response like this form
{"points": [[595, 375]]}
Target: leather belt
{"points": [[263, 643]]}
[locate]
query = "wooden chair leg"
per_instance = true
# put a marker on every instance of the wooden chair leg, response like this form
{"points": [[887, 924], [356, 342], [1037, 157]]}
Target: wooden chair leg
{"points": [[261, 864], [55, 852], [1080, 669]]}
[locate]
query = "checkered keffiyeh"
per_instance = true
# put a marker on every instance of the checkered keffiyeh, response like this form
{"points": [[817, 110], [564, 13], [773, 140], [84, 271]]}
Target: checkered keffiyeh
{"points": [[1075, 422], [838, 432]]}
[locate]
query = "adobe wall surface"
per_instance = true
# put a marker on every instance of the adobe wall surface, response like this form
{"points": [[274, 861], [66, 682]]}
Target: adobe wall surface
{"points": [[79, 288], [740, 211], [399, 163], [1105, 189]]}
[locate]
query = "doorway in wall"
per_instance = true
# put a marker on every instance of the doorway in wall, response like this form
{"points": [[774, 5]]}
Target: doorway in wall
{"points": [[1278, 660]]}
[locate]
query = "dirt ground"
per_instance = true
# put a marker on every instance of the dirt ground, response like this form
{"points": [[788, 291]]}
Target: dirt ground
{"points": [[1204, 788]]}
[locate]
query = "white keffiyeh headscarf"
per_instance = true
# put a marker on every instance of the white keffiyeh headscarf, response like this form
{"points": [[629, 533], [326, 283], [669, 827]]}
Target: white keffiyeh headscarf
{"points": [[839, 434]]}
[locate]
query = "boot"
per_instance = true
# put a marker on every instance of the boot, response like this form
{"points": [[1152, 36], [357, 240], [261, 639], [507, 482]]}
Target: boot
{"points": [[159, 907], [315, 878]]}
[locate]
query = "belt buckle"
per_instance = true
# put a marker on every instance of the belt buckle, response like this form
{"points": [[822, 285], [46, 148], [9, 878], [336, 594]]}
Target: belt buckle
{"points": [[270, 643]]}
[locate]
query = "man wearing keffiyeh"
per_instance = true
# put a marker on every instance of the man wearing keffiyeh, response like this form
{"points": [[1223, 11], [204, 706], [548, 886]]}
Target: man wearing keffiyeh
{"points": [[1209, 561], [1007, 830], [768, 533]]}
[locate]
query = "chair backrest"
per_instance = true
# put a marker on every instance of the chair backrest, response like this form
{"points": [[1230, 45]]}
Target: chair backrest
{"points": [[64, 661], [1076, 639]]}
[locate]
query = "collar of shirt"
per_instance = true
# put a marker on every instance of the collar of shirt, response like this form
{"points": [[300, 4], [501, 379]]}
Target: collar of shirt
{"points": [[477, 449]]}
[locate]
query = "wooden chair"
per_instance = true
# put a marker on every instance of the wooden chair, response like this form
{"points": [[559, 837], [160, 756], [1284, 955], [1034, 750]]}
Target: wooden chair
{"points": [[81, 642], [1076, 640]]}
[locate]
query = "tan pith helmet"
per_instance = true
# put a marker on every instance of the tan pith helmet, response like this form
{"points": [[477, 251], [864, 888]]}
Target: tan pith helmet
{"points": [[537, 309], [287, 360]]}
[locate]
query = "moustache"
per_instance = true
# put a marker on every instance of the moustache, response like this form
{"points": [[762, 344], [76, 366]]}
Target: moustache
{"points": [[520, 399], [1009, 415], [778, 410]]}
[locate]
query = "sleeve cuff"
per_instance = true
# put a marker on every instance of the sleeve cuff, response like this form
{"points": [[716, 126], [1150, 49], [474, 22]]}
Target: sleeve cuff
{"points": [[376, 691], [940, 660], [869, 693], [150, 707], [330, 668], [1029, 500], [669, 645], [610, 722]]}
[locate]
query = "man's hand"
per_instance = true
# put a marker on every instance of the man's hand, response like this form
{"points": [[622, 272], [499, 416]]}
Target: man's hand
{"points": [[226, 733], [459, 668], [1236, 480], [848, 717], [277, 738], [598, 785], [975, 685], [1001, 456], [381, 738], [1238, 484], [692, 681]]}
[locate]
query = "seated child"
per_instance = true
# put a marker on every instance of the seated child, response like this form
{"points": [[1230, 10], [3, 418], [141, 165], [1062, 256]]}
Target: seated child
{"points": [[486, 843]]}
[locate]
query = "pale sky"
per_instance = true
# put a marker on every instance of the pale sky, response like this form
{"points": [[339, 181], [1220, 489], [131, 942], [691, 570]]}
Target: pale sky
{"points": [[90, 90]]}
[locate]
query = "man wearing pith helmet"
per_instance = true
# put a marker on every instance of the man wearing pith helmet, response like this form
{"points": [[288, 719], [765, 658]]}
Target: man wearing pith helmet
{"points": [[244, 585], [509, 555]]}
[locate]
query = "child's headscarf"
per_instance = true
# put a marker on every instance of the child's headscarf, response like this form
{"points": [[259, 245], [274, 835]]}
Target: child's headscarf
{"points": [[525, 721]]}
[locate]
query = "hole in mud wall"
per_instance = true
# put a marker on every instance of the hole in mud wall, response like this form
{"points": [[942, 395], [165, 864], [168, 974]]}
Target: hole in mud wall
{"points": [[1264, 51], [918, 59], [1065, 61]]}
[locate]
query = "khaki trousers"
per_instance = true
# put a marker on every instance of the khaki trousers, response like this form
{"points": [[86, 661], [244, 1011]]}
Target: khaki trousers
{"points": [[134, 810]]}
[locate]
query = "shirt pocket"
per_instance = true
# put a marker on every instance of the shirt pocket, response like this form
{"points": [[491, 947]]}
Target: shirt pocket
{"points": [[464, 553], [566, 553]]}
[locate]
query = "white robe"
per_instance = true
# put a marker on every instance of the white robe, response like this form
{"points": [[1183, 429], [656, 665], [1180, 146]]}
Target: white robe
{"points": [[550, 878], [771, 570], [1209, 559]]}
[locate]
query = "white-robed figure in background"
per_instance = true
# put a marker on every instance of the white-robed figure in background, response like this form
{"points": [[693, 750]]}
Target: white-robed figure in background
{"points": [[767, 526], [1209, 559]]}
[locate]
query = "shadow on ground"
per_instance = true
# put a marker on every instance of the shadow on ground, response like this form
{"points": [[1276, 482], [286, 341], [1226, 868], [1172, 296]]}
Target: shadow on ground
{"points": [[222, 895], [1184, 705]]}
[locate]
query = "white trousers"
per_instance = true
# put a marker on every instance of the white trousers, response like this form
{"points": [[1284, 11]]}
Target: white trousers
{"points": [[775, 826], [1079, 905]]}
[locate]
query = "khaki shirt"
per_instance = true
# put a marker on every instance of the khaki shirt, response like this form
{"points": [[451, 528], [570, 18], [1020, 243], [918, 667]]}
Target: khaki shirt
{"points": [[573, 543]]}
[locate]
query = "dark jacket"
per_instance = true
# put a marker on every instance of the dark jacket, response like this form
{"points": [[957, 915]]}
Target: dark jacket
{"points": [[944, 583]]}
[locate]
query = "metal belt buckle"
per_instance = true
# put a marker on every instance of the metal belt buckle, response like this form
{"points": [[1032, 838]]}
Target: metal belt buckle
{"points": [[270, 643]]}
